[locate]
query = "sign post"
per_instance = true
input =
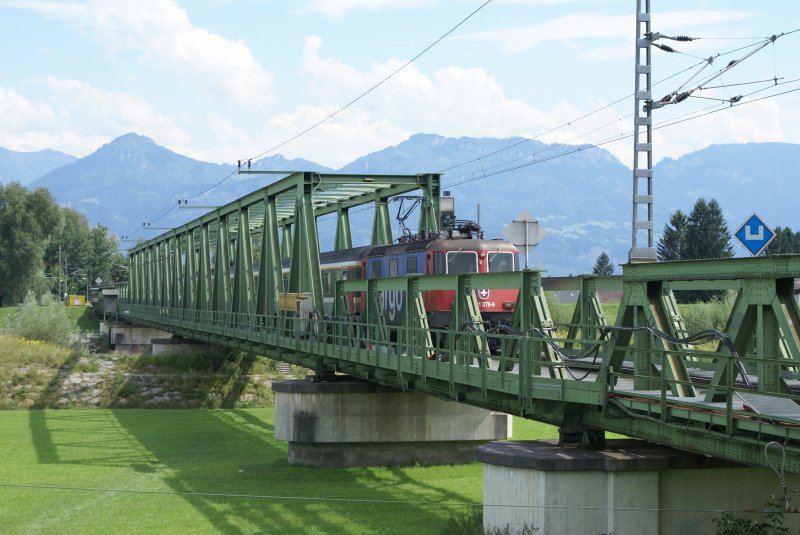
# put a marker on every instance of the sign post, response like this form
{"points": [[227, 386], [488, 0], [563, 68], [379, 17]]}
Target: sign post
{"points": [[524, 231], [754, 234]]}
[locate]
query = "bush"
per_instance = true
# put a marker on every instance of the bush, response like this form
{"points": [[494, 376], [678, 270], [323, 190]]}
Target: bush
{"points": [[44, 320], [711, 315]]}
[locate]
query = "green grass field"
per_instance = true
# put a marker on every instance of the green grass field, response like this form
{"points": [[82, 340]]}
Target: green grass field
{"points": [[206, 471]]}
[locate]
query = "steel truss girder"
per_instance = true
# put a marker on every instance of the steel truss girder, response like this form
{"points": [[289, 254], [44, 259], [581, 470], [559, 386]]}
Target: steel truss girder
{"points": [[295, 203], [765, 321]]}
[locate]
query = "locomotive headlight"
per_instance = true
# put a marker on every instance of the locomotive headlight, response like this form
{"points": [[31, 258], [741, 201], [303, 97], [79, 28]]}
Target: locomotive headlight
{"points": [[483, 255], [508, 305]]}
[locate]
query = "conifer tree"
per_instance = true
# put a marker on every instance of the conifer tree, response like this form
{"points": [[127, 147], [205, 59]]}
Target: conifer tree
{"points": [[672, 243], [707, 234], [603, 265]]}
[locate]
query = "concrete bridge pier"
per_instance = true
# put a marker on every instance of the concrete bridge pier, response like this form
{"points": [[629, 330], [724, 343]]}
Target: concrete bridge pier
{"points": [[133, 337], [630, 488], [349, 422]]}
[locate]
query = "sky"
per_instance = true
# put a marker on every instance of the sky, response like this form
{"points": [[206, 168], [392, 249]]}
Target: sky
{"points": [[224, 80]]}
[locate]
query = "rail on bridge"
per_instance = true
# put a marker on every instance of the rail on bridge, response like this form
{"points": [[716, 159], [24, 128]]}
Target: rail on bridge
{"points": [[723, 394]]}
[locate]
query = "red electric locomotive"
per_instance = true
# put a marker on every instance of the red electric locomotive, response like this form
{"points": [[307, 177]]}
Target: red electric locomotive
{"points": [[459, 248]]}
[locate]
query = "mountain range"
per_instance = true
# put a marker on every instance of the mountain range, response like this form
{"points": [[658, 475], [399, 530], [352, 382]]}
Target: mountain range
{"points": [[581, 194]]}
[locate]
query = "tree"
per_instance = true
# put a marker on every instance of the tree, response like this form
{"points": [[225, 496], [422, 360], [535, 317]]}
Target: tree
{"points": [[707, 234], [704, 234], [784, 242], [69, 249], [103, 254], [672, 244], [603, 265], [26, 220]]}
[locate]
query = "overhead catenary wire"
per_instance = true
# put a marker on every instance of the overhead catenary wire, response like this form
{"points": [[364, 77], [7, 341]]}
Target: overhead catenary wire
{"points": [[671, 122], [563, 125], [330, 116], [678, 95], [365, 501], [763, 42], [372, 88]]}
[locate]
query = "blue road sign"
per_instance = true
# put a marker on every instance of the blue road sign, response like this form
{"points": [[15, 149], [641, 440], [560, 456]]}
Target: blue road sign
{"points": [[754, 234]]}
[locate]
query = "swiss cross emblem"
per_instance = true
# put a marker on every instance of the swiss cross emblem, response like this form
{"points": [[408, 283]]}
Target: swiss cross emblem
{"points": [[483, 293]]}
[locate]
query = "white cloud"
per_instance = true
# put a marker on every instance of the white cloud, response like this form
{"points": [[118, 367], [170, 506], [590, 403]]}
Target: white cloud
{"points": [[77, 118], [588, 25], [758, 122], [21, 114], [162, 32], [453, 101], [339, 8]]}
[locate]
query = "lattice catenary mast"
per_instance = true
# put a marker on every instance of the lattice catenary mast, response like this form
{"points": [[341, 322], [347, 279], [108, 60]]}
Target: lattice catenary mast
{"points": [[642, 221]]}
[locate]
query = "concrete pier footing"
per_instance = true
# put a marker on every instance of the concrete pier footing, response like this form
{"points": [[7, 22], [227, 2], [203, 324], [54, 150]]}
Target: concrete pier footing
{"points": [[130, 337], [631, 487], [349, 422]]}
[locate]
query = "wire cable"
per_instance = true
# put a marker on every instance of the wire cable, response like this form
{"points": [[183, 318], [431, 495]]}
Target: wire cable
{"points": [[364, 500], [706, 62], [341, 109], [374, 87], [563, 125], [687, 117]]}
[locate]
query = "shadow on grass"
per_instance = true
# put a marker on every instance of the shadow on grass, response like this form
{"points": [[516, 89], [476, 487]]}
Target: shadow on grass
{"points": [[199, 453], [206, 454]]}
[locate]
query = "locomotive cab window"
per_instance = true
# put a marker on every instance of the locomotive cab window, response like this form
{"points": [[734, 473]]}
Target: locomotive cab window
{"points": [[411, 265], [376, 268], [500, 262], [462, 262]]}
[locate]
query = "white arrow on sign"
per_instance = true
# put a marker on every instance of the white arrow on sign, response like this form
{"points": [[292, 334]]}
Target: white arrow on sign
{"points": [[758, 236]]}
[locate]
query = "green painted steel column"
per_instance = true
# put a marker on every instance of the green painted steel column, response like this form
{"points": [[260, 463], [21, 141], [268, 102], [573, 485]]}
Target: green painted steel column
{"points": [[429, 210], [176, 270], [305, 275], [243, 283], [140, 268], [381, 223], [150, 274], [158, 294], [189, 299], [270, 279], [134, 283], [164, 253], [168, 277], [287, 243], [204, 267], [344, 239], [220, 299]]}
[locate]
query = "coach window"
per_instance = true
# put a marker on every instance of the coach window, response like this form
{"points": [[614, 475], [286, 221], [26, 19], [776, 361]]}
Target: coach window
{"points": [[326, 283], [376, 268], [438, 264], [411, 265], [462, 262], [393, 267]]}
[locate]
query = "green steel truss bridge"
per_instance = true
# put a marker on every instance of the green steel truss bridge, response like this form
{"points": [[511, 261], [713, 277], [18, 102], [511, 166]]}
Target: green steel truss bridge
{"points": [[641, 374]]}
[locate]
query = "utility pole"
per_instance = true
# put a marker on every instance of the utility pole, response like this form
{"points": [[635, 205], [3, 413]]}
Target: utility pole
{"points": [[642, 216], [60, 294]]}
